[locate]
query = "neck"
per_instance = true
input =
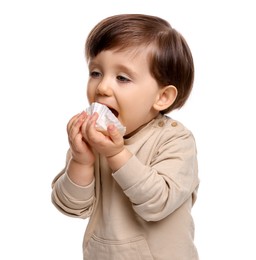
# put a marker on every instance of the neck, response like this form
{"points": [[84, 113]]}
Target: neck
{"points": [[139, 128]]}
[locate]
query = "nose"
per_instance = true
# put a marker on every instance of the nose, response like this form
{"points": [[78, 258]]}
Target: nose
{"points": [[104, 88]]}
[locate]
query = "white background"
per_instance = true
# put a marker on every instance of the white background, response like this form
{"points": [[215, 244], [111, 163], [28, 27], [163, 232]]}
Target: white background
{"points": [[42, 84]]}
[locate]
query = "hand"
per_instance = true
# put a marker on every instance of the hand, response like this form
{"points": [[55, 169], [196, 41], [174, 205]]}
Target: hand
{"points": [[81, 151], [108, 146]]}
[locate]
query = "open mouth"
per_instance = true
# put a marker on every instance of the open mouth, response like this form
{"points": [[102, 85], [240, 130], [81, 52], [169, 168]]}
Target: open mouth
{"points": [[114, 111]]}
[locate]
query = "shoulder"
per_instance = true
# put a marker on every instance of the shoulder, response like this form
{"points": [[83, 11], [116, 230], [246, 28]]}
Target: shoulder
{"points": [[172, 132], [167, 124], [174, 139]]}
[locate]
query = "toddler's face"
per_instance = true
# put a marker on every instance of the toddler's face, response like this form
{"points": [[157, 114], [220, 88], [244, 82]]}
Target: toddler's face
{"points": [[122, 81]]}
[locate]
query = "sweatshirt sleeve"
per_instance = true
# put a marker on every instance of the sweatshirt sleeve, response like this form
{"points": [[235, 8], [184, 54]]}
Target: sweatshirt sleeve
{"points": [[159, 188], [70, 198]]}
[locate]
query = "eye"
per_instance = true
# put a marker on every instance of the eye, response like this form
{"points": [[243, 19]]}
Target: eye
{"points": [[123, 79], [95, 74]]}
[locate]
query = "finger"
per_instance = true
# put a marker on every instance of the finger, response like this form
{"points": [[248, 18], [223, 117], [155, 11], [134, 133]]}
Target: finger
{"points": [[74, 133], [77, 143], [84, 126], [93, 135], [91, 122], [71, 121], [76, 123]]}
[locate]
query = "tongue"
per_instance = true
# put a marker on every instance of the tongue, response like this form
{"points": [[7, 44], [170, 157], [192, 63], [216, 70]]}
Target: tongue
{"points": [[114, 112]]}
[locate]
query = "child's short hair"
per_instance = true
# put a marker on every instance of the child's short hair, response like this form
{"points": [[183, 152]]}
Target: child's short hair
{"points": [[170, 58]]}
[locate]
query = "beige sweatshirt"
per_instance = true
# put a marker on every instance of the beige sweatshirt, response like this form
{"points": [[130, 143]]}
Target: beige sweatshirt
{"points": [[143, 210]]}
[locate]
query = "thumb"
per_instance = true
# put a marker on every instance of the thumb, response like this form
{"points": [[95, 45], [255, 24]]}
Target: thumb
{"points": [[114, 134]]}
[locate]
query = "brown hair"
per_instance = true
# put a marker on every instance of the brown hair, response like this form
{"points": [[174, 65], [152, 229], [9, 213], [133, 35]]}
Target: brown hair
{"points": [[170, 59]]}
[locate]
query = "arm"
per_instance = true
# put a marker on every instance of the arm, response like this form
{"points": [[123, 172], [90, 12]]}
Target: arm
{"points": [[71, 199], [158, 189], [73, 188]]}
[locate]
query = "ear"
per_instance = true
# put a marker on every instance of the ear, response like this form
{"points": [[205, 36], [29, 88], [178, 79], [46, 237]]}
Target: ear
{"points": [[165, 98]]}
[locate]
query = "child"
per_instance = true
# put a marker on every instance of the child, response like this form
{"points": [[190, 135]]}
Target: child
{"points": [[137, 190]]}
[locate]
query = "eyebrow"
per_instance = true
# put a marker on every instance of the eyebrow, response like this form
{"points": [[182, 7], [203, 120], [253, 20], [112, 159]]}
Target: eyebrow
{"points": [[92, 63]]}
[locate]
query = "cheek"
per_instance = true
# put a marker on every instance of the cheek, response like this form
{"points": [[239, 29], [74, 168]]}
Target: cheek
{"points": [[132, 112], [90, 94]]}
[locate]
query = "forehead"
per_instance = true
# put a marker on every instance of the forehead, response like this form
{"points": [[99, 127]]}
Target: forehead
{"points": [[125, 56], [130, 53]]}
